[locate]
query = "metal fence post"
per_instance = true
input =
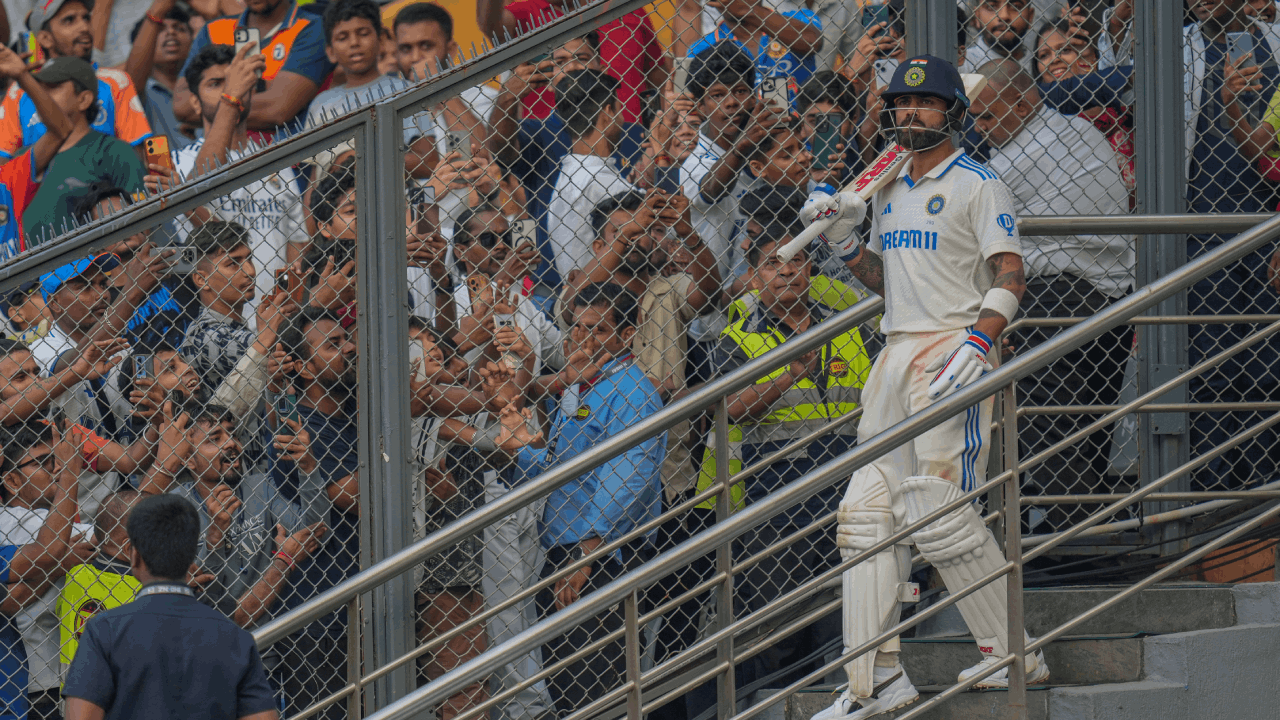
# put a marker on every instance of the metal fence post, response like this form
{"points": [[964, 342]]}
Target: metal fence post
{"points": [[727, 688], [385, 497], [1162, 188], [931, 28], [1013, 551]]}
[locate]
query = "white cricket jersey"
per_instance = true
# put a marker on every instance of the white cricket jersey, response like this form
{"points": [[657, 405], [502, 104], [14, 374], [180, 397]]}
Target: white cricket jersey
{"points": [[270, 209], [717, 222], [584, 181], [934, 237]]}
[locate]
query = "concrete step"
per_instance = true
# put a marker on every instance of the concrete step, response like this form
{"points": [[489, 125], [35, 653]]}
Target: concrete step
{"points": [[965, 706], [1172, 608], [1071, 662]]}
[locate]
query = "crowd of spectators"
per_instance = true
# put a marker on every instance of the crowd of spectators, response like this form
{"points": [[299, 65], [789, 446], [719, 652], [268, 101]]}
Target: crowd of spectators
{"points": [[590, 236]]}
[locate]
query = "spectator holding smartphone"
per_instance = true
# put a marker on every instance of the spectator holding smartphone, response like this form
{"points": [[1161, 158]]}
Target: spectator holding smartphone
{"points": [[270, 209], [294, 64]]}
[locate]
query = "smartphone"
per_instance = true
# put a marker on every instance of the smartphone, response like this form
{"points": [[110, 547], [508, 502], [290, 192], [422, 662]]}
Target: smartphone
{"points": [[144, 366], [667, 179], [773, 90], [417, 353], [524, 232], [826, 138], [680, 82], [288, 408], [250, 36], [179, 258], [460, 142], [35, 53], [885, 67], [874, 14], [289, 283], [157, 147], [650, 106], [1239, 44]]}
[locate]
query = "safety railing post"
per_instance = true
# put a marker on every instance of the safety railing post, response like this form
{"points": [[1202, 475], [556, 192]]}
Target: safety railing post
{"points": [[354, 708], [726, 690], [383, 392], [1160, 157], [931, 28], [632, 639], [1012, 517]]}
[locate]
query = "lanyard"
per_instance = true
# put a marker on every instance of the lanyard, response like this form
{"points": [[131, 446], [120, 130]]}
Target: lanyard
{"points": [[164, 589]]}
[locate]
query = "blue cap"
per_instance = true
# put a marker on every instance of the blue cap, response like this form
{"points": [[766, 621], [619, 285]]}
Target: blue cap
{"points": [[926, 75], [50, 282]]}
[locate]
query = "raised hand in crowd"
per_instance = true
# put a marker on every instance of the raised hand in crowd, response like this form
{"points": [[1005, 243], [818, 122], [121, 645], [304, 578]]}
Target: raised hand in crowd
{"points": [[874, 44], [300, 545], [295, 445], [337, 286], [222, 505]]}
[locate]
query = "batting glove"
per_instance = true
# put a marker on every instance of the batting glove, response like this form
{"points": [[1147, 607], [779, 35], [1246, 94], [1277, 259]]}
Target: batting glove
{"points": [[964, 365], [844, 211]]}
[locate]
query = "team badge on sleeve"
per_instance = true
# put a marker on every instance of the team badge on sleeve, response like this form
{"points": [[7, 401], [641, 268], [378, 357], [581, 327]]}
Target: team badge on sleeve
{"points": [[1007, 223], [935, 204], [584, 412]]}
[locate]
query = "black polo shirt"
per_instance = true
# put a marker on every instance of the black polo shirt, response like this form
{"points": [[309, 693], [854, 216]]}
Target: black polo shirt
{"points": [[165, 655]]}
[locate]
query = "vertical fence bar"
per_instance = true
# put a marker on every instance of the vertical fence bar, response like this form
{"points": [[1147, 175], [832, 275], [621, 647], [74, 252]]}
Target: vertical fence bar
{"points": [[1160, 145], [353, 659], [931, 28], [632, 637], [1013, 551], [727, 689], [384, 390]]}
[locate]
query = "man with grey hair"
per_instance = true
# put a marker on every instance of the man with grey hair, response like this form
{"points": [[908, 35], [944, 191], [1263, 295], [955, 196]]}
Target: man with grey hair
{"points": [[1061, 165]]}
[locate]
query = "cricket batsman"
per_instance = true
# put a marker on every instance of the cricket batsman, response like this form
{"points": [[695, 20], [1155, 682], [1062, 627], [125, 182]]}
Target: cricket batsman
{"points": [[944, 253]]}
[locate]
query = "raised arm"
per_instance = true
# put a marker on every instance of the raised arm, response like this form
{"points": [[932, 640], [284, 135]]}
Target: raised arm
{"points": [[493, 18], [59, 126], [142, 56], [54, 537], [242, 75], [293, 550]]}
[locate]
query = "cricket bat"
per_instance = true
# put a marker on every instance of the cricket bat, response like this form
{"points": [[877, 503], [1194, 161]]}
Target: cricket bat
{"points": [[878, 174]]}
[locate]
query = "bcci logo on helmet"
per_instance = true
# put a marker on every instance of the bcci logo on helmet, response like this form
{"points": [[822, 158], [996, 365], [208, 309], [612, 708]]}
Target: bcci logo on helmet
{"points": [[914, 76]]}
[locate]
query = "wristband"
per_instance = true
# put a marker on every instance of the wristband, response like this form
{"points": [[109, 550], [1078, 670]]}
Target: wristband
{"points": [[233, 102], [154, 19], [979, 340], [1001, 301], [288, 559]]}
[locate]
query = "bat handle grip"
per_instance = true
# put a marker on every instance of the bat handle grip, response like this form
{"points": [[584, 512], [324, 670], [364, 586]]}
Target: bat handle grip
{"points": [[801, 241]]}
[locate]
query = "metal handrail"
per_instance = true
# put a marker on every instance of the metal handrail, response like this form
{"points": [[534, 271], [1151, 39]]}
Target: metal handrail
{"points": [[693, 404], [805, 487]]}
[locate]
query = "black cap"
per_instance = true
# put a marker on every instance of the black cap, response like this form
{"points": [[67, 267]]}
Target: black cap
{"points": [[926, 75], [61, 69]]}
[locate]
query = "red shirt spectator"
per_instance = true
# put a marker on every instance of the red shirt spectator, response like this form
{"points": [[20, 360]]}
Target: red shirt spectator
{"points": [[629, 51]]}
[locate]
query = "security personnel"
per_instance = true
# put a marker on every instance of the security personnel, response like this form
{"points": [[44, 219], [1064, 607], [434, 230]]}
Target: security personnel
{"points": [[784, 405], [131, 658], [824, 291]]}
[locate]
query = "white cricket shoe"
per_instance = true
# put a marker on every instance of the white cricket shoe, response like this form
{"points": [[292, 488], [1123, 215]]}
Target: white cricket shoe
{"points": [[1037, 672], [893, 690]]}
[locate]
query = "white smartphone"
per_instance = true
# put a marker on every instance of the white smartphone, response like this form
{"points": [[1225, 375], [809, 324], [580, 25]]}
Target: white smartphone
{"points": [[773, 90], [885, 68], [251, 36], [1239, 44], [460, 142], [680, 82], [524, 232]]}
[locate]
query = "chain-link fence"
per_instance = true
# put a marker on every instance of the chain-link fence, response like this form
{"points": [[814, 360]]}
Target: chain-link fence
{"points": [[590, 235]]}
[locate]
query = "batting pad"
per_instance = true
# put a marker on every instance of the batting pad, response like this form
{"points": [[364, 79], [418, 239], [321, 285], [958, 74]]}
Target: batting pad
{"points": [[962, 549], [872, 587]]}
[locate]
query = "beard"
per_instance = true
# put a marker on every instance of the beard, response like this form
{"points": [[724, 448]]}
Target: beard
{"points": [[344, 384], [637, 265], [915, 138]]}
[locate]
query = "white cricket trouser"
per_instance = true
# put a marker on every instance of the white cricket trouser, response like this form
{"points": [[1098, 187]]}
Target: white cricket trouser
{"points": [[955, 451], [897, 388], [512, 559]]}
